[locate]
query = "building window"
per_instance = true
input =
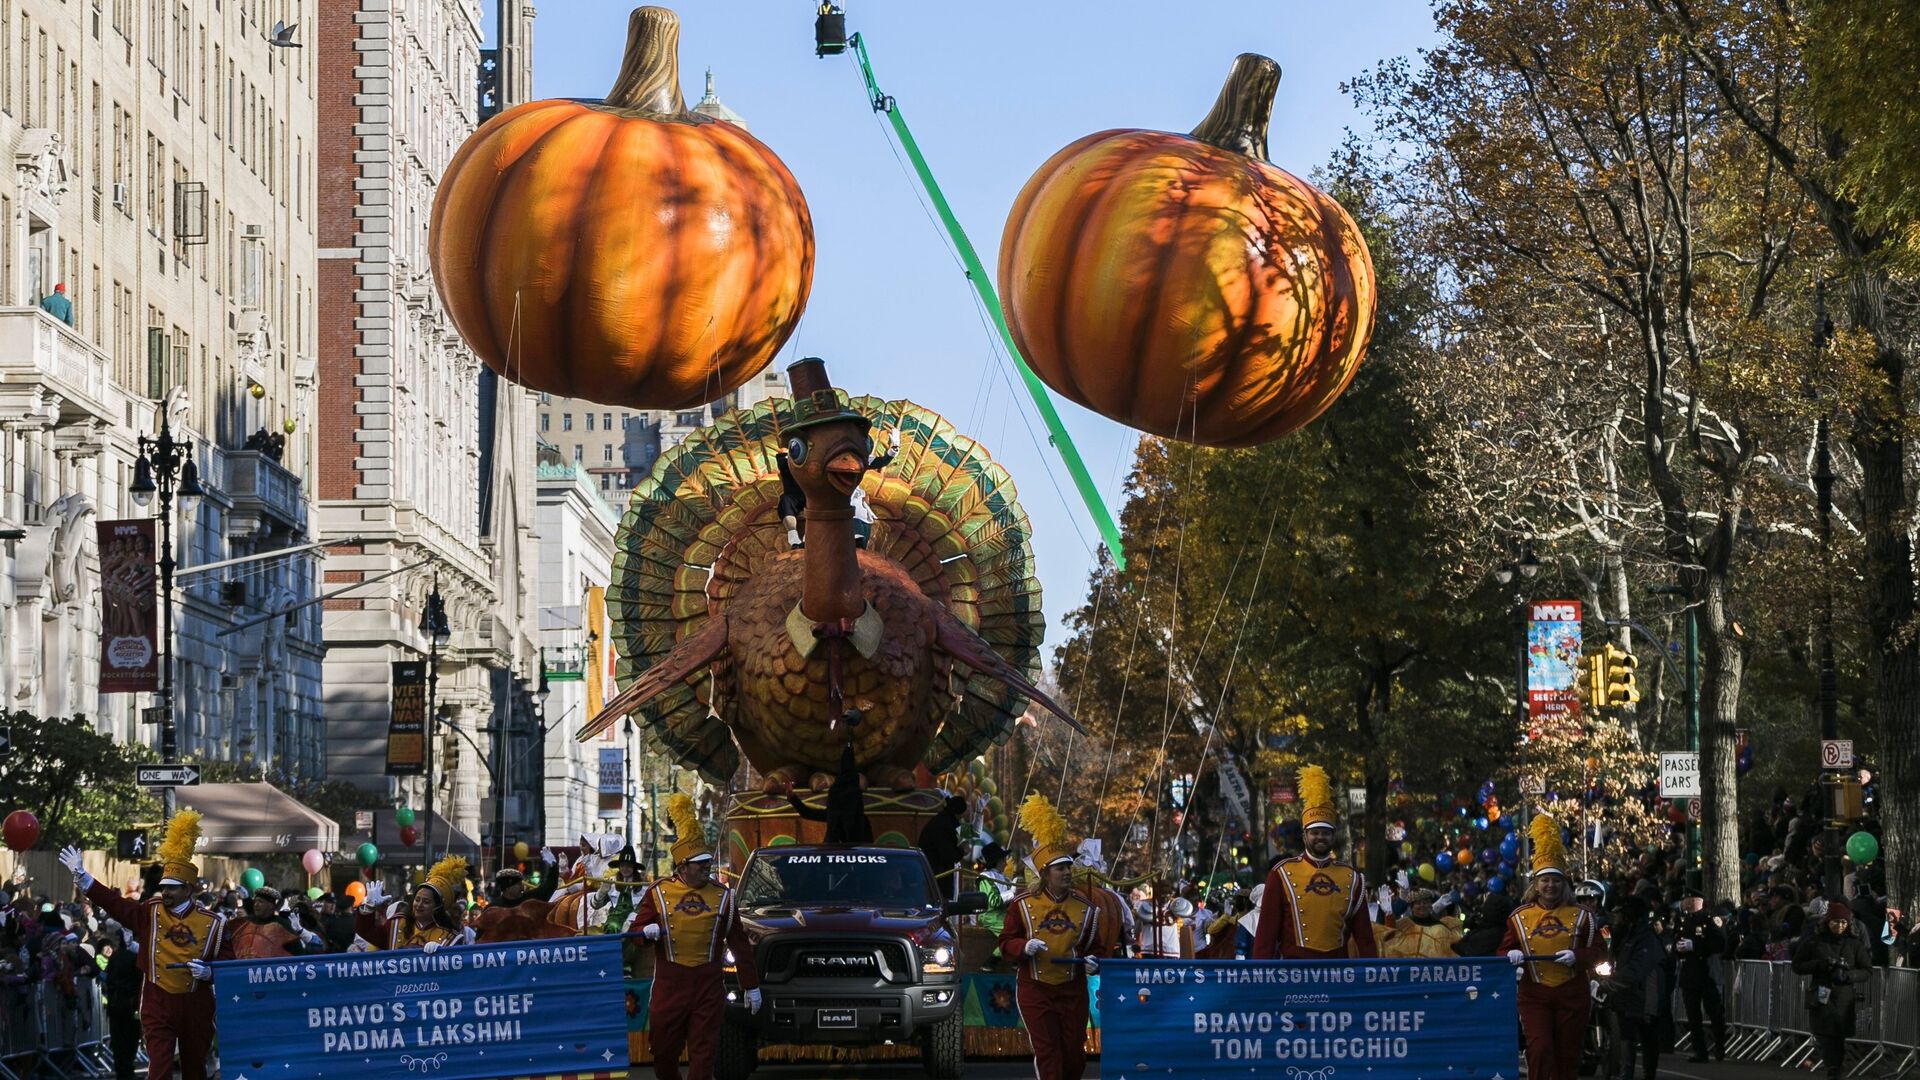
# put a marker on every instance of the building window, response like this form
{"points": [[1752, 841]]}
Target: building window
{"points": [[589, 421], [626, 420], [606, 453], [691, 419], [606, 421], [566, 421], [543, 421], [578, 452], [606, 482]]}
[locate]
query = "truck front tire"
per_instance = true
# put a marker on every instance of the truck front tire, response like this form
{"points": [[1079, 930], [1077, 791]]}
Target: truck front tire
{"points": [[943, 1051], [738, 1052]]}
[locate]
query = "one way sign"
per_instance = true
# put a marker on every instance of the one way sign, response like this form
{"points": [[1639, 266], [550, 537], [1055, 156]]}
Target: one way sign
{"points": [[166, 775]]}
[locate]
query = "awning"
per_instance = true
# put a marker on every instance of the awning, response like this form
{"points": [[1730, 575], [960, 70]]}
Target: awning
{"points": [[447, 840], [250, 819]]}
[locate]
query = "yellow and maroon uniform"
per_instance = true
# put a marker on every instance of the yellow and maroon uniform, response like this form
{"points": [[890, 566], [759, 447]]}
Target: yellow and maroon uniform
{"points": [[697, 927], [1313, 910], [1053, 996], [174, 1006], [1553, 998]]}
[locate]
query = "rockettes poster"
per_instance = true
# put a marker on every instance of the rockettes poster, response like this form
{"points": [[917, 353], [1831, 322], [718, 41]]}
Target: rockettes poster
{"points": [[1553, 659]]}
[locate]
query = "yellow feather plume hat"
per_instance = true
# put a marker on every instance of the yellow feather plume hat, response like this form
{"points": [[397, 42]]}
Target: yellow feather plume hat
{"points": [[448, 877], [690, 838], [1048, 829], [1316, 799], [176, 849], [1549, 854]]}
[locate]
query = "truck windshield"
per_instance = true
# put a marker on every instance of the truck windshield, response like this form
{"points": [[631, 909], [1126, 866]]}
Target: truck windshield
{"points": [[831, 878]]}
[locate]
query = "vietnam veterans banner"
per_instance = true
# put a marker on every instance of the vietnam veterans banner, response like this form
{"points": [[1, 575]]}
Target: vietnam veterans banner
{"points": [[129, 624], [473, 1013], [407, 720], [1309, 1019]]}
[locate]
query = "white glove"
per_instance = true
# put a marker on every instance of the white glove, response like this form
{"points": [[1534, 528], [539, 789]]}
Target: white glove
{"points": [[1684, 944], [601, 897], [70, 858], [546, 855], [376, 893], [1034, 947], [1091, 964], [430, 948], [1516, 957], [1445, 902], [199, 969], [1564, 956], [1384, 894], [651, 931], [293, 921], [753, 1000]]}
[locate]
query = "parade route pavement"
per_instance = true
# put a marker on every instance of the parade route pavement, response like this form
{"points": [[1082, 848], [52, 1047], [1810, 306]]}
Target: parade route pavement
{"points": [[1671, 1068]]}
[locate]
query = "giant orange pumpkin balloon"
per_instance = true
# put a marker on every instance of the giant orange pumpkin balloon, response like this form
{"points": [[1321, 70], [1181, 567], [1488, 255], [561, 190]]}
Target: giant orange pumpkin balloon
{"points": [[1182, 284], [628, 250]]}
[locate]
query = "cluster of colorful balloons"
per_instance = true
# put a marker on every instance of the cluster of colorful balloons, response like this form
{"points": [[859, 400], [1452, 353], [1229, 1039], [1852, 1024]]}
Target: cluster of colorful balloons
{"points": [[1485, 839], [403, 817], [973, 784]]}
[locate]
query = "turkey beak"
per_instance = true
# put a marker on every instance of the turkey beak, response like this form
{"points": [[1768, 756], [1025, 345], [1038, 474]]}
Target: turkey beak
{"points": [[845, 470]]}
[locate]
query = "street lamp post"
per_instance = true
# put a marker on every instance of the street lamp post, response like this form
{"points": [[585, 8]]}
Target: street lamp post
{"points": [[500, 769], [1524, 570], [433, 627], [165, 467]]}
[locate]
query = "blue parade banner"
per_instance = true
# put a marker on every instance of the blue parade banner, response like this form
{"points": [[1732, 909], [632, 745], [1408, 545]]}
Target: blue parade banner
{"points": [[1309, 1019], [471, 1013]]}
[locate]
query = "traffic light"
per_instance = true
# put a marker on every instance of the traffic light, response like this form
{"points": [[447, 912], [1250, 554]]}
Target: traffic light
{"points": [[131, 844], [1593, 680], [1620, 688]]}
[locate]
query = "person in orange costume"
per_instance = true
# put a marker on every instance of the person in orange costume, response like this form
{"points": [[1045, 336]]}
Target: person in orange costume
{"points": [[428, 922], [1314, 907], [1053, 933], [692, 920], [1555, 943], [265, 933], [177, 940]]}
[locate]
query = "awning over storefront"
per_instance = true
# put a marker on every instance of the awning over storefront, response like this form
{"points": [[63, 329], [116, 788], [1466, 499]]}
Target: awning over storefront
{"points": [[447, 840], [251, 819]]}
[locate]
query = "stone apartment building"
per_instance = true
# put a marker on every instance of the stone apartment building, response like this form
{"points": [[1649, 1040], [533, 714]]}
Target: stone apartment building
{"points": [[426, 459], [161, 168]]}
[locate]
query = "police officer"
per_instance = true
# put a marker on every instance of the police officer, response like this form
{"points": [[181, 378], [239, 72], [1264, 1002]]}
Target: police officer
{"points": [[1698, 937]]}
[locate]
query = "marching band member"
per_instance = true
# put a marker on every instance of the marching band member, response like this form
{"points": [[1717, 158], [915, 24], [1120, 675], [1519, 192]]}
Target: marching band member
{"points": [[177, 939], [692, 920], [1053, 933], [1555, 944], [1314, 907], [428, 921]]}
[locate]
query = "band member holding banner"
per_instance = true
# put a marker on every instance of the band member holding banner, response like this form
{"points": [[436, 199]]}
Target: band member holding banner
{"points": [[1053, 933], [428, 921], [1555, 944], [177, 938], [1314, 908], [265, 932], [692, 920]]}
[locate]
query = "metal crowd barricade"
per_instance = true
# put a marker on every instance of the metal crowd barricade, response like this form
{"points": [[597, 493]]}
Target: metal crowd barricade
{"points": [[1899, 1032], [1749, 1003], [47, 1033]]}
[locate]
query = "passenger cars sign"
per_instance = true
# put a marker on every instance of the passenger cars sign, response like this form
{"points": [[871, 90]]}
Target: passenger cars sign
{"points": [[1679, 774]]}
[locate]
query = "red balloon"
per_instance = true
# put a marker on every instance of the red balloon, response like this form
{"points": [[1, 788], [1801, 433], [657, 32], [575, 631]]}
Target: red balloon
{"points": [[20, 830], [408, 834]]}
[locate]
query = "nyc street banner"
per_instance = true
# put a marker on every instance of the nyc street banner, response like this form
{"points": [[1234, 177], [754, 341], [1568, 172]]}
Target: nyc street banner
{"points": [[407, 722], [1553, 660], [129, 632], [526, 1008], [1309, 1020]]}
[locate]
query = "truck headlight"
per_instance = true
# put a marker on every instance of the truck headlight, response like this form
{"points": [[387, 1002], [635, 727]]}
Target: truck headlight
{"points": [[937, 960]]}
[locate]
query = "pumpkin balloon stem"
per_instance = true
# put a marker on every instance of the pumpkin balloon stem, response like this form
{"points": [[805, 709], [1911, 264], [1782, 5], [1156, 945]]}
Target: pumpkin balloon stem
{"points": [[1240, 115], [649, 79]]}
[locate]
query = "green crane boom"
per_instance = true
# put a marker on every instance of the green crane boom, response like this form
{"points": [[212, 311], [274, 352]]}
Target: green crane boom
{"points": [[982, 284]]}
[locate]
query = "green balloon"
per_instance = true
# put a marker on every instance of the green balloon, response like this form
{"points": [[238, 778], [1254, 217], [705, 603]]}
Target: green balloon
{"points": [[403, 816], [314, 893], [252, 878], [1862, 847], [367, 854], [988, 786], [533, 879]]}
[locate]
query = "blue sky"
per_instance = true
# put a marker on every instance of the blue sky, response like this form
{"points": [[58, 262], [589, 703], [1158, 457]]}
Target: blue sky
{"points": [[990, 91]]}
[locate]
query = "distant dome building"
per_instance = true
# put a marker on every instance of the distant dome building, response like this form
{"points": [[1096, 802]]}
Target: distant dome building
{"points": [[710, 105]]}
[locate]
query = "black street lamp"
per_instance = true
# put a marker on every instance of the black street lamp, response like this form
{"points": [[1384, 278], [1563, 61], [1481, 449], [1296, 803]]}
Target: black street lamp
{"points": [[165, 467], [433, 627], [501, 765], [1525, 568]]}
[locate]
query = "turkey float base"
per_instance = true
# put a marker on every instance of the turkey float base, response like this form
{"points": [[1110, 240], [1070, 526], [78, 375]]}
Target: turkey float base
{"points": [[733, 643]]}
